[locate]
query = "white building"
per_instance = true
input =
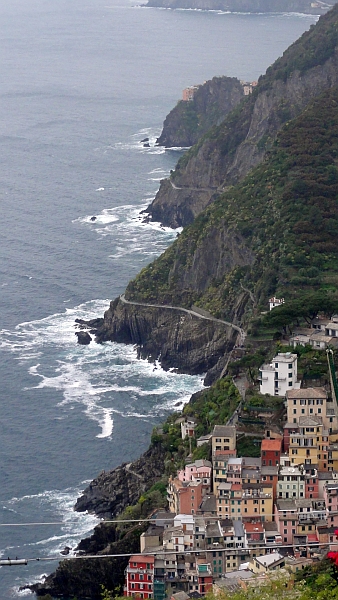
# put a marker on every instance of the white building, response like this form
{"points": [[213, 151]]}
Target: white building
{"points": [[280, 375], [273, 302], [291, 483]]}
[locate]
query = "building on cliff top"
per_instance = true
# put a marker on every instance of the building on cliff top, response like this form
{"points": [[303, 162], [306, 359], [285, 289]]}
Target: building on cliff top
{"points": [[189, 92]]}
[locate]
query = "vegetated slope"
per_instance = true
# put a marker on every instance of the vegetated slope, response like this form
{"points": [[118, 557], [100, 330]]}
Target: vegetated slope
{"points": [[274, 233], [227, 153], [188, 121]]}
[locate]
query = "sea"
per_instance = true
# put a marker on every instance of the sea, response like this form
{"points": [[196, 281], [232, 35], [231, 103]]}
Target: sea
{"points": [[83, 82]]}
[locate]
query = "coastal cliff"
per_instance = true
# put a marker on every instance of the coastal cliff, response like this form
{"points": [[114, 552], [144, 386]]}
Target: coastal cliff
{"points": [[109, 494], [177, 339], [247, 6], [210, 104], [225, 155], [273, 233]]}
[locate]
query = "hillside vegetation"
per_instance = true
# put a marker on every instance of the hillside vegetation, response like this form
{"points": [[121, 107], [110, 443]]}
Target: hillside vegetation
{"points": [[227, 152], [274, 233]]}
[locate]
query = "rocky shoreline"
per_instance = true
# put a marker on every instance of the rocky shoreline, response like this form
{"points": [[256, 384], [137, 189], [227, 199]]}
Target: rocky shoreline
{"points": [[106, 496], [176, 339]]}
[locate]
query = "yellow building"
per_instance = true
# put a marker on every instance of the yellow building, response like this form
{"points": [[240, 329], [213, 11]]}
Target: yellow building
{"points": [[311, 402], [223, 438], [309, 445], [257, 501], [228, 500], [333, 451]]}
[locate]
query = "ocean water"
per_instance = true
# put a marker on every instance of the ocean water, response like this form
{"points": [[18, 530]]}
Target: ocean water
{"points": [[82, 83]]}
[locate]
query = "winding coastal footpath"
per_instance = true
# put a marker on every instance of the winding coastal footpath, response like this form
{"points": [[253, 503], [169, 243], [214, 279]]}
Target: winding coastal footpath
{"points": [[192, 313]]}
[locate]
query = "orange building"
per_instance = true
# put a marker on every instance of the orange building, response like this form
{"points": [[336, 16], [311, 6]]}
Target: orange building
{"points": [[184, 497], [270, 452]]}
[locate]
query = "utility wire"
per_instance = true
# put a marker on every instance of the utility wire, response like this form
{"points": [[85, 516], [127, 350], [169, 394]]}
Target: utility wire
{"points": [[170, 520], [166, 553]]}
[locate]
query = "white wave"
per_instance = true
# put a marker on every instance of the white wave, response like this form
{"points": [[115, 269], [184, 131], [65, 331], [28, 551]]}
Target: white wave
{"points": [[107, 425], [159, 170], [133, 237], [100, 189], [92, 378], [70, 526], [178, 148]]}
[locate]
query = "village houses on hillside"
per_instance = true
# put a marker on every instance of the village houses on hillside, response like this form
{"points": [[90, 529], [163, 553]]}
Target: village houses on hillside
{"points": [[234, 519]]}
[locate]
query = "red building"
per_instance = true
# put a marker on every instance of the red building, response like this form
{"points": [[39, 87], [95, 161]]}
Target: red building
{"points": [[270, 452], [204, 577], [311, 482], [139, 579]]}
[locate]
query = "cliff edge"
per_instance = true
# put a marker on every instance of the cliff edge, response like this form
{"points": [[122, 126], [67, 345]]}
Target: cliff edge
{"points": [[225, 155], [208, 106]]}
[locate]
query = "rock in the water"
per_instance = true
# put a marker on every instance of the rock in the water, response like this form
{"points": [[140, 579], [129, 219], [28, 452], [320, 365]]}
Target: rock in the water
{"points": [[147, 145], [83, 337], [94, 323], [93, 218], [145, 140]]}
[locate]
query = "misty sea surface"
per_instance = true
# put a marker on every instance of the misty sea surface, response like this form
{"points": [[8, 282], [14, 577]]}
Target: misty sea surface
{"points": [[82, 83]]}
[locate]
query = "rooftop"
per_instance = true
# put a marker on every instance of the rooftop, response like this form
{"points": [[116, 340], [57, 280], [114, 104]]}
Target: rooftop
{"points": [[286, 505], [142, 558], [304, 503], [274, 445], [224, 431], [208, 504], [269, 559], [266, 470], [310, 421], [306, 393], [253, 527], [180, 596], [250, 461], [284, 357]]}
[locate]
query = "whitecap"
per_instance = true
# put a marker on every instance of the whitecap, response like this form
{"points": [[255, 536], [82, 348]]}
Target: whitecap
{"points": [[95, 379], [69, 527], [100, 189], [133, 237]]}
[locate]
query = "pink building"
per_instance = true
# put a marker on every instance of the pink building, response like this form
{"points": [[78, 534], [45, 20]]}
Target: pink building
{"points": [[199, 471], [185, 497], [331, 502], [189, 92], [286, 518]]}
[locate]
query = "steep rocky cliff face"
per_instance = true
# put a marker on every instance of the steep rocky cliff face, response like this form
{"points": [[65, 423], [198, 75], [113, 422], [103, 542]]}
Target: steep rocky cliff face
{"points": [[107, 496], [252, 6], [227, 153], [178, 340], [82, 578], [188, 121], [272, 234], [110, 493]]}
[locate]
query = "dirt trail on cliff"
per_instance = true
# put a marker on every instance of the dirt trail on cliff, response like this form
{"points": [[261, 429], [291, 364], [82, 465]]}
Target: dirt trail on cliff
{"points": [[189, 312]]}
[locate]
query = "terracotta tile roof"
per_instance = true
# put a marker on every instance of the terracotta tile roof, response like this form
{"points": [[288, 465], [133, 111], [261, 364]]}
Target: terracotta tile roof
{"points": [[236, 486], [142, 559], [274, 445]]}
